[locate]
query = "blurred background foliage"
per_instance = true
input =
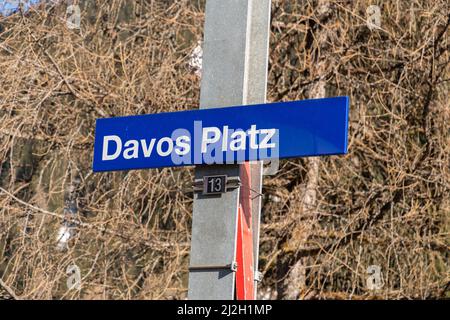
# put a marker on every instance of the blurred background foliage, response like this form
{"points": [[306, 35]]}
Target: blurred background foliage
{"points": [[325, 221]]}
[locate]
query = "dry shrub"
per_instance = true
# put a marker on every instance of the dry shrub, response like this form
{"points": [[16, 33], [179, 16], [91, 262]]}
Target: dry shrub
{"points": [[386, 203]]}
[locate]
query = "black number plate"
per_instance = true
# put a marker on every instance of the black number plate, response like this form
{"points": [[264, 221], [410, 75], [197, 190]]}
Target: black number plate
{"points": [[214, 184]]}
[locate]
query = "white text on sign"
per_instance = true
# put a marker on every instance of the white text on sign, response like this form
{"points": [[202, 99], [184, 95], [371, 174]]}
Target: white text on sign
{"points": [[212, 142]]}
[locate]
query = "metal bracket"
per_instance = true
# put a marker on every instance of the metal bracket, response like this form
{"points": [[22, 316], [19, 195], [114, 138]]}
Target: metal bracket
{"points": [[258, 276], [232, 266], [231, 184]]}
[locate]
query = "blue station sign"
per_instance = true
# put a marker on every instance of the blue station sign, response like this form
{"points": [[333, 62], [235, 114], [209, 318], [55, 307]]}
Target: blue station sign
{"points": [[222, 135]]}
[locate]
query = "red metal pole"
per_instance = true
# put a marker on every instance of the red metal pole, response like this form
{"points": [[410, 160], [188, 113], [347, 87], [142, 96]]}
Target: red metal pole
{"points": [[244, 251]]}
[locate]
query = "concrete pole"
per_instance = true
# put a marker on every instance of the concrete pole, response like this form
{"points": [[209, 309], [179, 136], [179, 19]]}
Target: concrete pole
{"points": [[234, 72]]}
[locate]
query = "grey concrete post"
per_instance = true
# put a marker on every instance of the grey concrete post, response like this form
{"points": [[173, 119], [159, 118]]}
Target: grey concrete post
{"points": [[234, 73]]}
